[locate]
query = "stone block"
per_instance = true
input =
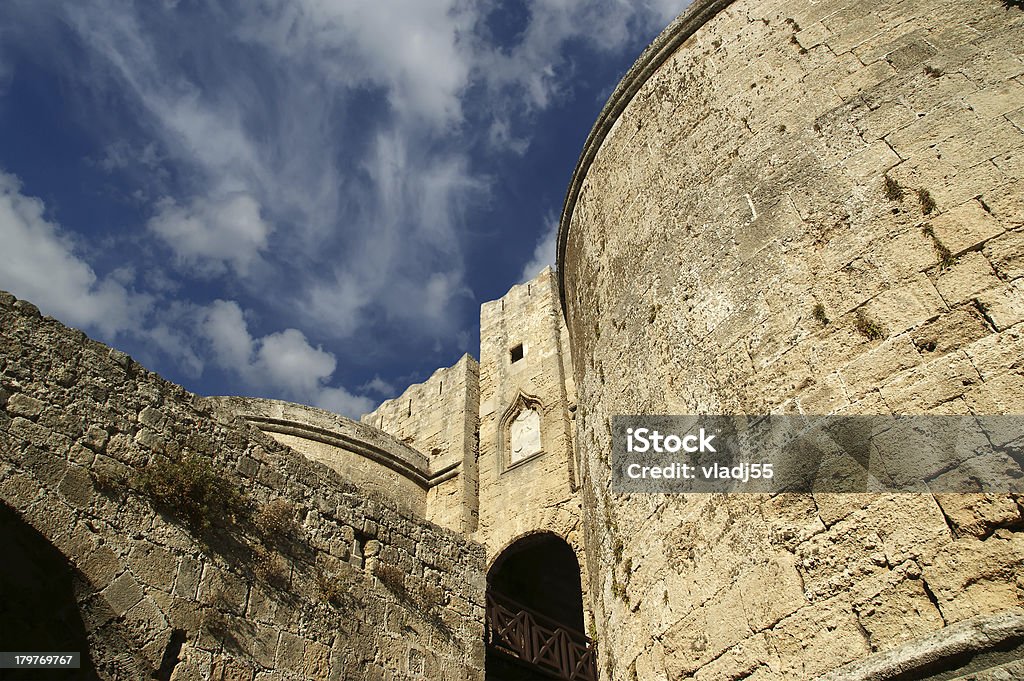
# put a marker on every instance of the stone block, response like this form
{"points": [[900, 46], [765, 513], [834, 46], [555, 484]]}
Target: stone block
{"points": [[883, 121], [906, 306], [864, 79], [978, 515], [28, 431], [770, 592], [951, 331], [964, 227], [997, 353], [123, 593], [186, 582], [815, 640], [871, 369], [1003, 305], [19, 490], [145, 619], [224, 590], [939, 380], [76, 487], [95, 438], [150, 440], [812, 36], [153, 565], [997, 100], [101, 566], [999, 394], [872, 162], [909, 56], [153, 418], [966, 278], [965, 576], [1006, 254], [20, 404], [899, 613], [229, 669]]}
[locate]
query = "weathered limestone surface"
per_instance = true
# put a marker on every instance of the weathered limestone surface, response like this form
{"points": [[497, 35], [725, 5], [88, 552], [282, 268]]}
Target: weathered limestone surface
{"points": [[439, 418], [538, 492], [985, 643], [374, 462], [337, 585], [808, 207], [463, 419]]}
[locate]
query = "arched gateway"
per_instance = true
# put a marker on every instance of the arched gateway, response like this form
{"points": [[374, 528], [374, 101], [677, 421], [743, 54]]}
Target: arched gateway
{"points": [[534, 625]]}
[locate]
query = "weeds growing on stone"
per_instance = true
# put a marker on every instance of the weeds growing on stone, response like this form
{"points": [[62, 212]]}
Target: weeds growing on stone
{"points": [[192, 488], [332, 588], [272, 568], [946, 259], [392, 578], [926, 201], [819, 314], [868, 327], [892, 189]]}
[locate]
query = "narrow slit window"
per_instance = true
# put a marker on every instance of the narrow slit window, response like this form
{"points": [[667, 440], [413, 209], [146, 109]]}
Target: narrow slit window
{"points": [[517, 353]]}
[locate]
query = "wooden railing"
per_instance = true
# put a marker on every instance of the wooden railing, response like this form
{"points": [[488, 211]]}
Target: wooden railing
{"points": [[539, 641]]}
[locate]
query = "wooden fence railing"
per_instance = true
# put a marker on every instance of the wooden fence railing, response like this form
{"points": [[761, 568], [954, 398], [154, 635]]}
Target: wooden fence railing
{"points": [[539, 641]]}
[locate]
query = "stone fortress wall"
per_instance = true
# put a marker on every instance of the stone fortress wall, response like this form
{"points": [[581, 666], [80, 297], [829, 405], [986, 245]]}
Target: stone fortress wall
{"points": [[303, 578], [376, 463], [537, 492], [800, 207], [786, 207], [378, 570], [439, 417], [463, 416]]}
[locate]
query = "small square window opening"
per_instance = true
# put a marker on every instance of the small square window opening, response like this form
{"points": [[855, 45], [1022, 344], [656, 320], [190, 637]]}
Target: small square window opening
{"points": [[517, 353]]}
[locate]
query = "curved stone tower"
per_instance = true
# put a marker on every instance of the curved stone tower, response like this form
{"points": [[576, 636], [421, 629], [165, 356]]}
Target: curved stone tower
{"points": [[802, 207]]}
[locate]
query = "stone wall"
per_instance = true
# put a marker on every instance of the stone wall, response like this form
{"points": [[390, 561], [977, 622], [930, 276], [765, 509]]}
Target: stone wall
{"points": [[375, 463], [439, 418], [284, 572], [806, 207]]}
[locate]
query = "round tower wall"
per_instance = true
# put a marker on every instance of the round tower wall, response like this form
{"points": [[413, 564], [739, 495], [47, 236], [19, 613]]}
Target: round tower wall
{"points": [[797, 207]]}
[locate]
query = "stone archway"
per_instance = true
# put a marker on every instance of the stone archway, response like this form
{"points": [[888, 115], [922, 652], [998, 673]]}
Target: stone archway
{"points": [[39, 610], [535, 613]]}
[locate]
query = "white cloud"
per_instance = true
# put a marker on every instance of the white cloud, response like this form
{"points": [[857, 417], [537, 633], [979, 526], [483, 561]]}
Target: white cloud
{"points": [[341, 401], [38, 262], [543, 252], [287, 359], [283, 362], [177, 345], [413, 49], [120, 155], [209, 235], [225, 328], [379, 386]]}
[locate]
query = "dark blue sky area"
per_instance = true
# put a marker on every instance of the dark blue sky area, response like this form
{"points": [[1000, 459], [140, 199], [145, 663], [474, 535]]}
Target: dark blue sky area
{"points": [[301, 200]]}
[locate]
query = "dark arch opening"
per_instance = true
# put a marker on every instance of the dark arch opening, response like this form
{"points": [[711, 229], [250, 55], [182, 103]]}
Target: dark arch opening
{"points": [[535, 613], [38, 608]]}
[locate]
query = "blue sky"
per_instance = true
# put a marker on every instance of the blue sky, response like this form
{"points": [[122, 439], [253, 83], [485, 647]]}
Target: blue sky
{"points": [[299, 199]]}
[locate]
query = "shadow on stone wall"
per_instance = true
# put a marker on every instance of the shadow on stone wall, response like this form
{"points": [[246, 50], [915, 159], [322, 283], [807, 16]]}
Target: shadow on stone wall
{"points": [[39, 611]]}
